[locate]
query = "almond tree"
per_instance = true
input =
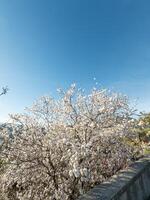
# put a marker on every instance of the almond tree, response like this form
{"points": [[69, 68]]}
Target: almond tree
{"points": [[62, 147]]}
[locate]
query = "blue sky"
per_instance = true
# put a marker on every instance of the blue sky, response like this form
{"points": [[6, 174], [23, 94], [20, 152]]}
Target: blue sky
{"points": [[52, 43]]}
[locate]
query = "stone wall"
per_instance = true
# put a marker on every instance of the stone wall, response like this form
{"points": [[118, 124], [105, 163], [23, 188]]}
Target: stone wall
{"points": [[132, 183]]}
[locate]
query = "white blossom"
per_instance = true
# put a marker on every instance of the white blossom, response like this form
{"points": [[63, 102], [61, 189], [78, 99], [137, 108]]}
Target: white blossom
{"points": [[60, 148]]}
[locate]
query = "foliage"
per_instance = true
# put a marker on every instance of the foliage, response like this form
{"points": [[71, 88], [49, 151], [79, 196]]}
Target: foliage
{"points": [[62, 147], [4, 90], [143, 132]]}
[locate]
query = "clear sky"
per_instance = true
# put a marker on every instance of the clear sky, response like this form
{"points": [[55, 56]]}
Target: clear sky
{"points": [[45, 44]]}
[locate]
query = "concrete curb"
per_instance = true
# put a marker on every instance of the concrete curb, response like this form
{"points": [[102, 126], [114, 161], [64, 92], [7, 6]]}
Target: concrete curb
{"points": [[132, 183]]}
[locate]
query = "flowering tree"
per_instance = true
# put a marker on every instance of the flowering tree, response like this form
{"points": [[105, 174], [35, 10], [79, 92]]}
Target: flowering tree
{"points": [[61, 148]]}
